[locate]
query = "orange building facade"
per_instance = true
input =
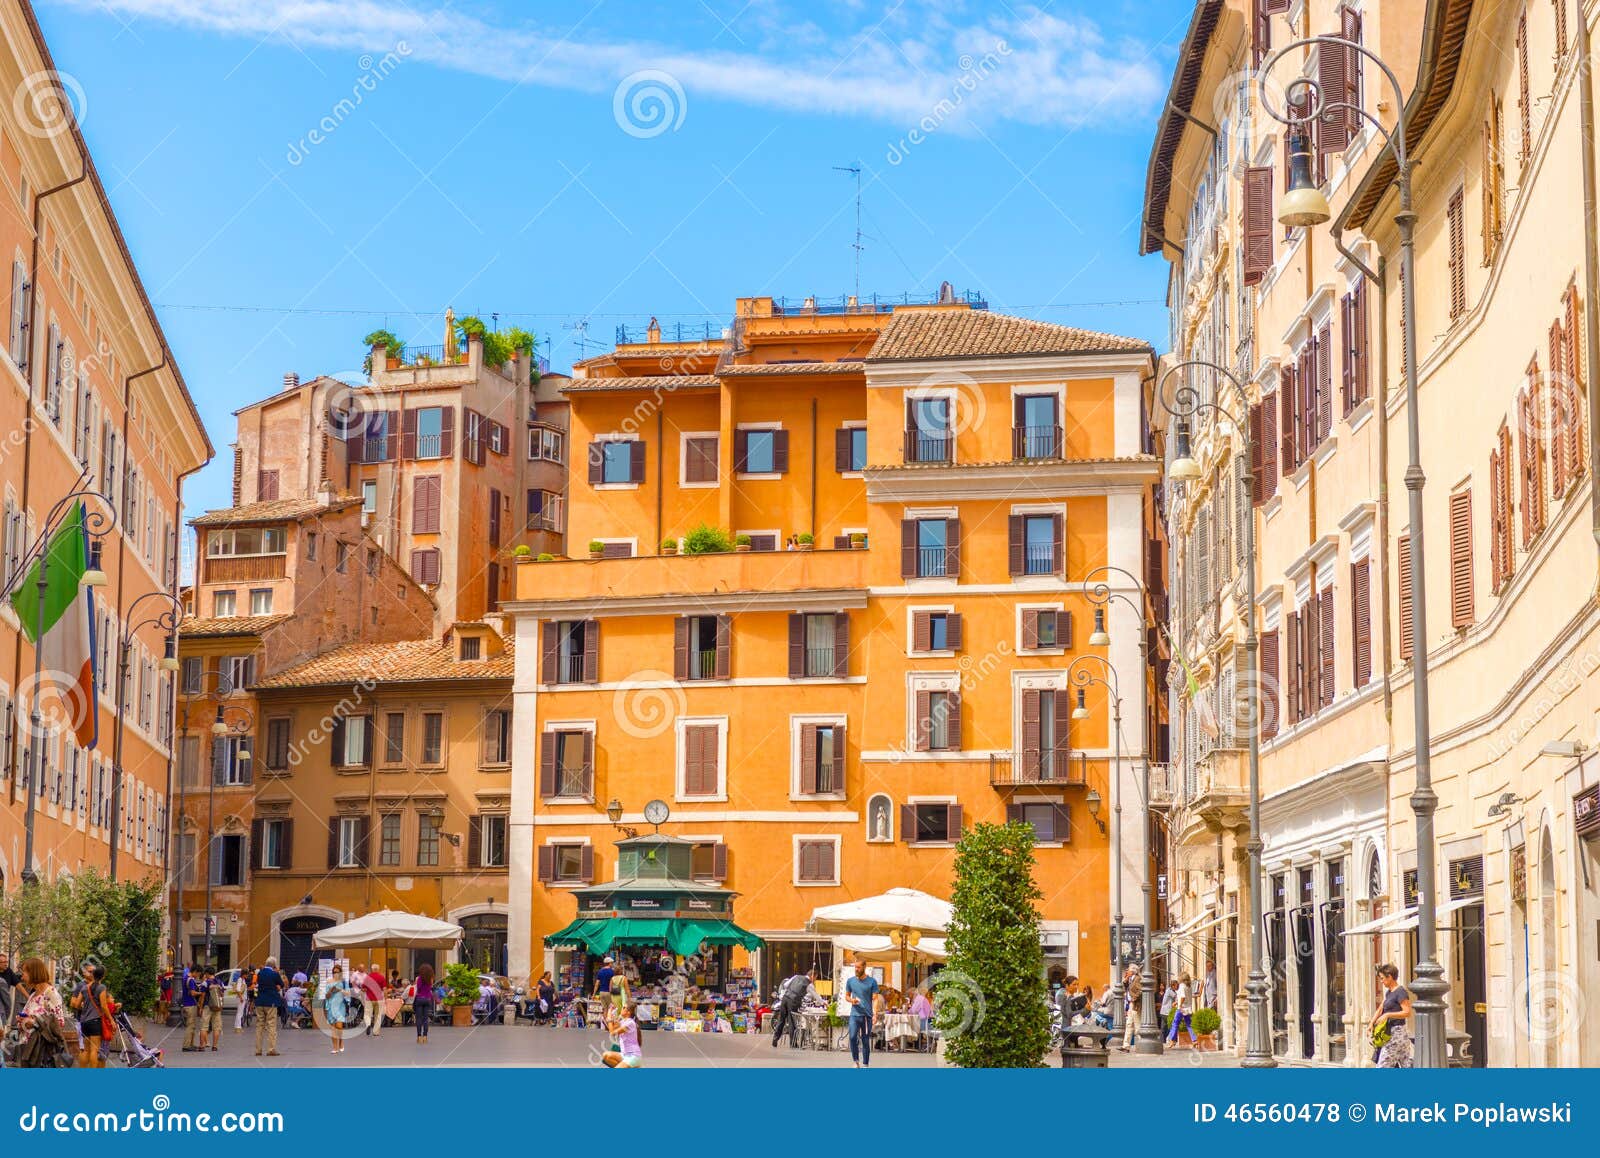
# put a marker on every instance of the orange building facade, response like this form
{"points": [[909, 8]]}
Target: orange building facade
{"points": [[920, 495]]}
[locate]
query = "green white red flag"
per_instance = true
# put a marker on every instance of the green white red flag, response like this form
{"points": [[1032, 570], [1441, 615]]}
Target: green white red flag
{"points": [[66, 624]]}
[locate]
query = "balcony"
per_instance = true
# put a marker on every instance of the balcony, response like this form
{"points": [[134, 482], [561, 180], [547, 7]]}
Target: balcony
{"points": [[703, 665], [1163, 785], [244, 568], [667, 577], [1035, 442], [1065, 769], [930, 445], [933, 562], [1213, 792]]}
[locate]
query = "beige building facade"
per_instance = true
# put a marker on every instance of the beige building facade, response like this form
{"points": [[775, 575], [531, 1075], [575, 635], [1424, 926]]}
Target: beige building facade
{"points": [[1316, 460]]}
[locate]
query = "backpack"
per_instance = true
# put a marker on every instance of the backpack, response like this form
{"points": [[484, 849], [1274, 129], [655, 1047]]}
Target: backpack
{"points": [[213, 996]]}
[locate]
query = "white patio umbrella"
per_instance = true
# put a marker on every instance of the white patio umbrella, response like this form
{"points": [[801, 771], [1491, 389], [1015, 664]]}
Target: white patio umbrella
{"points": [[903, 916], [388, 928], [928, 949]]}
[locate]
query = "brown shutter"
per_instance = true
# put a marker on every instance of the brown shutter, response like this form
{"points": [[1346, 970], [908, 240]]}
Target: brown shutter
{"points": [[636, 461], [335, 745], [408, 434], [1561, 26], [841, 449], [550, 642], [588, 764], [953, 722], [1017, 530], [1461, 593], [1058, 551], [724, 640], [1325, 651], [256, 829], [1524, 98], [1573, 346], [547, 862], [333, 842], [1031, 734], [921, 631], [911, 431], [741, 451], [586, 867], [680, 648], [364, 839], [597, 462], [1454, 213], [1347, 359], [1063, 629], [475, 841], [841, 644], [841, 542], [1030, 628], [1269, 446], [591, 651], [952, 548], [1294, 672], [1269, 683], [1361, 621], [1359, 347], [780, 452], [953, 821], [1508, 500], [1333, 70], [719, 861], [1497, 518], [1403, 572], [797, 646], [908, 548], [908, 823], [921, 725], [1060, 824], [447, 432], [952, 630], [1257, 497], [1558, 411], [1257, 223], [808, 759], [547, 764], [1288, 423]]}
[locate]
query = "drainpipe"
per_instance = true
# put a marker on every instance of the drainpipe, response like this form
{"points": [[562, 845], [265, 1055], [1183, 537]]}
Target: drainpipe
{"points": [[1381, 403], [814, 469], [1591, 261], [660, 483]]}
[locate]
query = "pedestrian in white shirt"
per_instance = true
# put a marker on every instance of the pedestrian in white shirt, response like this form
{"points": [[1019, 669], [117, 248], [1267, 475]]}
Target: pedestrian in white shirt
{"points": [[1182, 1010], [1169, 1000]]}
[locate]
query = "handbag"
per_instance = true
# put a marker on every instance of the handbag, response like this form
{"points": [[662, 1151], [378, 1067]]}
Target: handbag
{"points": [[1381, 1033]]}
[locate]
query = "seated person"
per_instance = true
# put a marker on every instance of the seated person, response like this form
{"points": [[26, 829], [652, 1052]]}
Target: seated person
{"points": [[295, 1000]]}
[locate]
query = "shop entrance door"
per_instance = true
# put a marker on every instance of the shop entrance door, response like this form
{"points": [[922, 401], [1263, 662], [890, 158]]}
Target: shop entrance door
{"points": [[1305, 960], [1474, 980], [296, 953], [483, 942]]}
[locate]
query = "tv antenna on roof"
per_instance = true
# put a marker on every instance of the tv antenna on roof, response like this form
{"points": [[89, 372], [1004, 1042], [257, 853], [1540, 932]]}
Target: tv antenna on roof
{"points": [[581, 339], [855, 170]]}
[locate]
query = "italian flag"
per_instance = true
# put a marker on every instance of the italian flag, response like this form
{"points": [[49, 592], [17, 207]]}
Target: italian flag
{"points": [[66, 656]]}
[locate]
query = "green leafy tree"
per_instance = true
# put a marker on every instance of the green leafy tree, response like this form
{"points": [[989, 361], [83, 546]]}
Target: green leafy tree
{"points": [[77, 920], [990, 1001]]}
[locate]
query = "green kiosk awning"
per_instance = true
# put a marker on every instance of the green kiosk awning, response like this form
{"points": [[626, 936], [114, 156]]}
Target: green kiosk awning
{"points": [[683, 937]]}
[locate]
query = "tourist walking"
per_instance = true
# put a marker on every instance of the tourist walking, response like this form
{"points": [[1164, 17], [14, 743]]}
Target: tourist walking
{"points": [[1391, 1027], [1169, 999], [422, 1002], [241, 991], [43, 1042], [859, 991], [269, 1004], [191, 993], [336, 1006], [92, 1003], [1183, 1011]]}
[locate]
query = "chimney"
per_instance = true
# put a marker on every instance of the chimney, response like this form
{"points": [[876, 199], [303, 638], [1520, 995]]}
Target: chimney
{"points": [[291, 380]]}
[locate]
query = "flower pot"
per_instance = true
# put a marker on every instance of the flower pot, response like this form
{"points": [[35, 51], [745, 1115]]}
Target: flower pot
{"points": [[742, 548], [858, 544], [669, 549], [461, 1016], [524, 558], [597, 554]]}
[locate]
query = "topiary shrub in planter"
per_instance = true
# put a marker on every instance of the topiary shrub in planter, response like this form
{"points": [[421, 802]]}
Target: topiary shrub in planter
{"points": [[460, 992], [741, 542], [596, 548], [707, 540], [1206, 1024], [545, 557]]}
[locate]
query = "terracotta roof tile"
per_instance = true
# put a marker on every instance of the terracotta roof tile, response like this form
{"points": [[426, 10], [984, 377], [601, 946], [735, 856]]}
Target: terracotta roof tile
{"points": [[913, 336], [1021, 462], [760, 368], [272, 511], [410, 661], [644, 382], [230, 625]]}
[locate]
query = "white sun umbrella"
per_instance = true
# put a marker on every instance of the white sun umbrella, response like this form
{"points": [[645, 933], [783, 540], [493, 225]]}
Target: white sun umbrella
{"points": [[884, 949], [902, 916], [388, 928]]}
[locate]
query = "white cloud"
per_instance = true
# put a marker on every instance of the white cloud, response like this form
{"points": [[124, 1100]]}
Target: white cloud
{"points": [[1049, 70]]}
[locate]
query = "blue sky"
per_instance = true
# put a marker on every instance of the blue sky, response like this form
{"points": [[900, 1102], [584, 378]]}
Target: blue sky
{"points": [[294, 173]]}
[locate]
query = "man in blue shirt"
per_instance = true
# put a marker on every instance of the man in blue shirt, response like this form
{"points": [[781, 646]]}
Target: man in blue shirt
{"points": [[859, 992], [191, 1008], [269, 1004]]}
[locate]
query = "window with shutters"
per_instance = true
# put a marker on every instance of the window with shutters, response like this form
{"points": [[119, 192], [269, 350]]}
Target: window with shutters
{"points": [[933, 822], [850, 449], [698, 460], [935, 632], [815, 649], [708, 861], [816, 860], [431, 440], [493, 840], [1361, 622], [425, 566], [1455, 214], [566, 764], [1502, 550], [929, 436], [1257, 224], [1270, 684], [351, 837], [1403, 586], [1036, 426], [1039, 546], [1524, 94], [616, 462], [267, 485], [351, 742], [701, 754], [273, 847], [566, 862], [699, 639], [426, 492], [761, 451], [1560, 9], [571, 651], [938, 720], [1492, 179], [389, 839], [1461, 594], [819, 756], [1354, 348], [227, 860], [430, 826], [1530, 454], [495, 750], [1051, 824], [932, 551], [278, 743]]}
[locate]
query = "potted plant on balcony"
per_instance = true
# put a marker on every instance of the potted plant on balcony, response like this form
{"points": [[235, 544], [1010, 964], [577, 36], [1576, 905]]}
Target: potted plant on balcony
{"points": [[394, 349], [707, 540], [1206, 1024], [546, 557], [806, 540], [858, 540], [596, 548], [460, 992], [669, 546], [741, 543], [523, 553]]}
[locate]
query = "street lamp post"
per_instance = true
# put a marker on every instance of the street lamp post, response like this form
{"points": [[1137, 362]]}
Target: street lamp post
{"points": [[1304, 205], [221, 729], [1080, 677], [1184, 405], [1101, 595], [97, 523], [168, 620]]}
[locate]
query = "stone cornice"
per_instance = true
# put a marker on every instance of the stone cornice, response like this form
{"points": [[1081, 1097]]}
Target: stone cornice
{"points": [[1010, 480]]}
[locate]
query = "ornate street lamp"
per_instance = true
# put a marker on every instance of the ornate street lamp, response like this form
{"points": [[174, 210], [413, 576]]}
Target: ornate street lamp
{"points": [[1081, 678], [167, 619]]}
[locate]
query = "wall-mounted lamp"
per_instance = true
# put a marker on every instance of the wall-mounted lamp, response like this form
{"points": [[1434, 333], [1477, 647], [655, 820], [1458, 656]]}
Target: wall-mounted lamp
{"points": [[1502, 807], [1091, 801], [1564, 749]]}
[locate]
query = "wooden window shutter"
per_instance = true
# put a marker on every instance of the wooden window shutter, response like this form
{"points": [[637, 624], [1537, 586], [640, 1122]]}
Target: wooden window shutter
{"points": [[841, 449], [1359, 344], [841, 644], [780, 452], [680, 648], [408, 434], [597, 462], [1288, 423], [911, 430], [1063, 629], [1269, 683], [923, 722], [1269, 446], [586, 865], [741, 451], [363, 841], [475, 841], [808, 759], [1306, 403], [953, 820], [1257, 223], [1333, 71], [591, 651], [1560, 7], [1324, 357], [1361, 622], [1032, 731], [636, 461], [952, 548], [1063, 718], [1524, 96], [1058, 544], [797, 646], [1060, 824], [286, 843], [1256, 473], [1454, 212], [1325, 647], [550, 645], [908, 548], [1560, 407], [1497, 518], [724, 646], [719, 861], [335, 743], [1030, 628], [1347, 360], [1294, 675], [257, 827], [547, 764], [547, 862], [588, 765], [1350, 29], [333, 842], [1403, 585], [1572, 345], [841, 542], [921, 631], [1016, 533], [1461, 594], [952, 631], [908, 823], [953, 721]]}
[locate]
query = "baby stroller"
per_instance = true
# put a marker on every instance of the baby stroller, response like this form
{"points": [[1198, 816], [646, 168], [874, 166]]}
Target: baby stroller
{"points": [[131, 1050]]}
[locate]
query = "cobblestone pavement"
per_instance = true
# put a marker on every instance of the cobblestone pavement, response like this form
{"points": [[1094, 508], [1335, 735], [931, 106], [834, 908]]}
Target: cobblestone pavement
{"points": [[523, 1045]]}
